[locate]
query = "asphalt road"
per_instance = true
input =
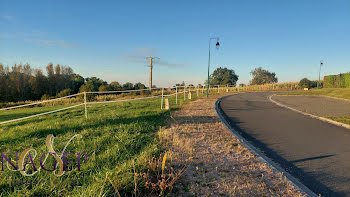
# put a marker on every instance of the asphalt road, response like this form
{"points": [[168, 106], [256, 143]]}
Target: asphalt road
{"points": [[315, 152], [316, 105]]}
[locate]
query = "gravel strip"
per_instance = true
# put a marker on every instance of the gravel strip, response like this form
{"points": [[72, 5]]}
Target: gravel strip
{"points": [[221, 165], [316, 105]]}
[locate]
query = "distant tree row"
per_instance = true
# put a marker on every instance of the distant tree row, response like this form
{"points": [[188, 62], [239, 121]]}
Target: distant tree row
{"points": [[225, 76], [22, 83]]}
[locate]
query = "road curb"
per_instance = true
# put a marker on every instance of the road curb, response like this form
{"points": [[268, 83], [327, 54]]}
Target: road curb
{"points": [[311, 115], [296, 183]]}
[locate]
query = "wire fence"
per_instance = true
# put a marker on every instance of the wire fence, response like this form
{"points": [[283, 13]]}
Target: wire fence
{"points": [[152, 93], [91, 98]]}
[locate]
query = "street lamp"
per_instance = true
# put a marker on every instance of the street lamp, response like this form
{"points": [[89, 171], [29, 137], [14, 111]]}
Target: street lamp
{"points": [[319, 74], [217, 47]]}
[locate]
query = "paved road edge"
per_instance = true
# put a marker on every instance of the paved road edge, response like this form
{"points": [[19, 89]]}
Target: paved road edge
{"points": [[311, 115], [222, 117]]}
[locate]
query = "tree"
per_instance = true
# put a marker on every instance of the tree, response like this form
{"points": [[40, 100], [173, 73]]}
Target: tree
{"points": [[76, 82], [103, 88], [96, 82], [87, 87], [51, 79], [115, 86], [128, 86], [21, 82], [39, 84], [306, 83], [223, 76], [3, 82], [139, 86], [261, 76]]}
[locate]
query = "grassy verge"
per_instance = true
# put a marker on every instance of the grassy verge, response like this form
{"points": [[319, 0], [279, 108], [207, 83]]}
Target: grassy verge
{"points": [[343, 93], [345, 120], [119, 139]]}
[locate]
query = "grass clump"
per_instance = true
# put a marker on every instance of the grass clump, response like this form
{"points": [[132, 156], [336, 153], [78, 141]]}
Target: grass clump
{"points": [[345, 120]]}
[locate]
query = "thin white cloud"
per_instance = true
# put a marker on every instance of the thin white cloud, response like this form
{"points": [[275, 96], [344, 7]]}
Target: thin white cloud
{"points": [[168, 64], [146, 51], [4, 35], [141, 54], [59, 43], [7, 18]]}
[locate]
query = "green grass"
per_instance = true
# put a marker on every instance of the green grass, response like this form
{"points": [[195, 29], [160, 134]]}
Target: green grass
{"points": [[116, 137], [345, 120], [343, 93]]}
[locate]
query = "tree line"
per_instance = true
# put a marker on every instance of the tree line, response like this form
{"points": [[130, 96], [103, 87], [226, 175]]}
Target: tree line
{"points": [[22, 83], [225, 76]]}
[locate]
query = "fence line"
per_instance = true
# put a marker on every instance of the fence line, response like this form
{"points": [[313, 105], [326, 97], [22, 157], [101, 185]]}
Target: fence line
{"points": [[41, 114], [36, 103], [85, 103], [122, 91], [117, 101]]}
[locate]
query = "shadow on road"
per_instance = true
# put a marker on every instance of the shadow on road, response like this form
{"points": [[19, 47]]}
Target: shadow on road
{"points": [[304, 177], [311, 158]]}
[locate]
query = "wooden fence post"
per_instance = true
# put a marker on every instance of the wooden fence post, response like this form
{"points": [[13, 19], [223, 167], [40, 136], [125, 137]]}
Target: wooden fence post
{"points": [[85, 103], [184, 92], [176, 95], [161, 102]]}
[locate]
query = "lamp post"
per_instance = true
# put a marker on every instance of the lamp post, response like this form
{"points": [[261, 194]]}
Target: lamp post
{"points": [[319, 74], [217, 47]]}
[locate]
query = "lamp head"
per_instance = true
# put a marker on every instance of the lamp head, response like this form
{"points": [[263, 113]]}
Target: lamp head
{"points": [[217, 45]]}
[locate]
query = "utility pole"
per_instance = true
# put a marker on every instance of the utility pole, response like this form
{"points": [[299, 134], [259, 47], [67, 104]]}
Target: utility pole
{"points": [[150, 71]]}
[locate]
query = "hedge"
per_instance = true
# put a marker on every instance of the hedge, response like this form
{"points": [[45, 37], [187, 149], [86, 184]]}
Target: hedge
{"points": [[337, 81]]}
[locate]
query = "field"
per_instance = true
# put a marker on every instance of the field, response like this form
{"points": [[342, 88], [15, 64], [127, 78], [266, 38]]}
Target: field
{"points": [[118, 138]]}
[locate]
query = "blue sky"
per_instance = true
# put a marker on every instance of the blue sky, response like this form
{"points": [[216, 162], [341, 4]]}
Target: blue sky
{"points": [[108, 39]]}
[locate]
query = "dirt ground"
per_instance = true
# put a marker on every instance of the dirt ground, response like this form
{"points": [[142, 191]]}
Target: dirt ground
{"points": [[220, 165], [316, 105]]}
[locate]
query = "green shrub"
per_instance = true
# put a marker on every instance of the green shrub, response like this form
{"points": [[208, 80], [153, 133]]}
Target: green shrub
{"points": [[305, 83], [65, 92], [325, 81], [347, 80], [337, 81], [45, 97]]}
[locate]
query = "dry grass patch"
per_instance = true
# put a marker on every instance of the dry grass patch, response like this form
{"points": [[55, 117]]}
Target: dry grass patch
{"points": [[220, 164]]}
